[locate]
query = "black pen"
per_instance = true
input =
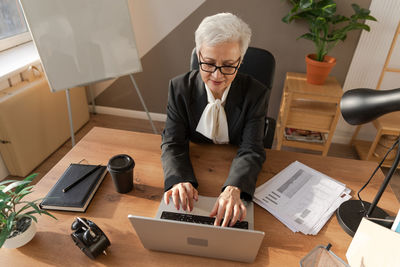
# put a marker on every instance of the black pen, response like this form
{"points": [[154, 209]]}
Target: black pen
{"points": [[81, 178]]}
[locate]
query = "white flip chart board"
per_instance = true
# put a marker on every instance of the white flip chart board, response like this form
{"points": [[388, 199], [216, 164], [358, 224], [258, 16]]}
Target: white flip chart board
{"points": [[82, 41]]}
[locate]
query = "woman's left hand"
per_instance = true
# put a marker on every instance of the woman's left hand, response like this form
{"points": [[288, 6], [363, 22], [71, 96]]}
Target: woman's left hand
{"points": [[229, 207]]}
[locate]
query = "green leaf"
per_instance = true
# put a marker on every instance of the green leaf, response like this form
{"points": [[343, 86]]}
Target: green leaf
{"points": [[307, 36], [14, 185], [329, 9], [323, 3], [356, 8], [21, 196], [28, 179], [35, 207], [339, 18], [27, 206], [295, 8], [304, 4], [356, 26], [32, 201], [8, 181], [320, 23], [3, 236], [288, 18], [10, 221], [49, 214], [370, 18], [4, 205], [31, 177], [4, 197], [25, 190]]}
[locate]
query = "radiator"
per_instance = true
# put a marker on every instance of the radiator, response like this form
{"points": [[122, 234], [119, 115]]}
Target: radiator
{"points": [[34, 122]]}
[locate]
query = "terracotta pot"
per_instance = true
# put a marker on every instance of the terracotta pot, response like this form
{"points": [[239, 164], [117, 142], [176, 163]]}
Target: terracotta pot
{"points": [[21, 239], [318, 71]]}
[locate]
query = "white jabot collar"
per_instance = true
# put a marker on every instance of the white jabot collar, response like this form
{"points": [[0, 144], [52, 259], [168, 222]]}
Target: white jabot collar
{"points": [[213, 123]]}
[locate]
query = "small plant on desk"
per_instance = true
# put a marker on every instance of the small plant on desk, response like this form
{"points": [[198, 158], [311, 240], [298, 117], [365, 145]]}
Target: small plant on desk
{"points": [[16, 215]]}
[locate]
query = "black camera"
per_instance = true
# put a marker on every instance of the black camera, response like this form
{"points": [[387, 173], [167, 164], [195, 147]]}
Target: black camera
{"points": [[89, 237]]}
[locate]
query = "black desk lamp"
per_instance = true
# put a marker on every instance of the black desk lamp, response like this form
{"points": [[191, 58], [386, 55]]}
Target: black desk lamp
{"points": [[359, 106]]}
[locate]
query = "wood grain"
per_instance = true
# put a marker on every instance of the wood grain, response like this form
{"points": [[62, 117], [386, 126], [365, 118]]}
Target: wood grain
{"points": [[52, 244]]}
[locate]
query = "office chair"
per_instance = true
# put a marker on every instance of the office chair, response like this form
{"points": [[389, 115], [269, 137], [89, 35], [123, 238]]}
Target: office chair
{"points": [[260, 64]]}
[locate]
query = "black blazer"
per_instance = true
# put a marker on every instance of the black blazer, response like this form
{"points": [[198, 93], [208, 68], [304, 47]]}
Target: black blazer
{"points": [[245, 109]]}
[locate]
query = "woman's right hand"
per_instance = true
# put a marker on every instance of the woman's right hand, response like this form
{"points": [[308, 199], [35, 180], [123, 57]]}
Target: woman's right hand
{"points": [[183, 193]]}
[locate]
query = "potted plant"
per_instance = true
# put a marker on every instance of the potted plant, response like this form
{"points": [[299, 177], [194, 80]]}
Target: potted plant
{"points": [[16, 215], [326, 29]]}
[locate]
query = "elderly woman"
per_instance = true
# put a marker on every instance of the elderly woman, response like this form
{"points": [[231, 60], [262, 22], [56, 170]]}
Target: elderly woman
{"points": [[216, 104]]}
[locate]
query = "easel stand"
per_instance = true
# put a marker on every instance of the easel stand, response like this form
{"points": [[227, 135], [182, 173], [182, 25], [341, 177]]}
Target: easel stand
{"points": [[71, 125], [143, 103]]}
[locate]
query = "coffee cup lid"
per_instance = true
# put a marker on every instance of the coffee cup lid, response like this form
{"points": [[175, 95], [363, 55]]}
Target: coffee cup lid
{"points": [[120, 163]]}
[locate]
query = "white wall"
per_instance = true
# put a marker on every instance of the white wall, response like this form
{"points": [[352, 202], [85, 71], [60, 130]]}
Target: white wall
{"points": [[368, 61], [153, 20], [3, 169]]}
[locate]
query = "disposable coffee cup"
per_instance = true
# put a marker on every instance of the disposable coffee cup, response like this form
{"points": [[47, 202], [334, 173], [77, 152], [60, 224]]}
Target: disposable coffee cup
{"points": [[121, 170]]}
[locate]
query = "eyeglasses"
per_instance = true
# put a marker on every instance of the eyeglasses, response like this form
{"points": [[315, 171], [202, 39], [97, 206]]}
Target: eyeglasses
{"points": [[224, 69]]}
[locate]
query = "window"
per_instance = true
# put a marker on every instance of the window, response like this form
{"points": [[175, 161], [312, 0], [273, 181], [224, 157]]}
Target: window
{"points": [[13, 29]]}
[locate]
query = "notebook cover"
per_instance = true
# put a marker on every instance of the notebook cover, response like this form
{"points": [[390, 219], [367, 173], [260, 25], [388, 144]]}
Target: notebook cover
{"points": [[78, 197]]}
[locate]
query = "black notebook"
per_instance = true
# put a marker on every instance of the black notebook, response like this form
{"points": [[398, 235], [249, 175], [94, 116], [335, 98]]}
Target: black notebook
{"points": [[79, 196]]}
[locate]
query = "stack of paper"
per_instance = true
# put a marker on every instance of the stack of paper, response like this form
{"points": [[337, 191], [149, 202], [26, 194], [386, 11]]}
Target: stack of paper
{"points": [[301, 197]]}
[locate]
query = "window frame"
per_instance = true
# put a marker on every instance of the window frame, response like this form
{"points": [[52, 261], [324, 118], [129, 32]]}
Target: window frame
{"points": [[15, 40], [19, 38]]}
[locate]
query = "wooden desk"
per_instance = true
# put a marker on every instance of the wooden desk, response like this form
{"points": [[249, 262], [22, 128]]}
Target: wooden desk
{"points": [[52, 245]]}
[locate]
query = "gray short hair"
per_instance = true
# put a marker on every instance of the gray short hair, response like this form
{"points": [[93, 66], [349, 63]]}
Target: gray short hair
{"points": [[223, 27]]}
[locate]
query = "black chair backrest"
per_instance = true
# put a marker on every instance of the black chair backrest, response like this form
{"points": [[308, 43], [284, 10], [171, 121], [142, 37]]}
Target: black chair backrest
{"points": [[257, 62]]}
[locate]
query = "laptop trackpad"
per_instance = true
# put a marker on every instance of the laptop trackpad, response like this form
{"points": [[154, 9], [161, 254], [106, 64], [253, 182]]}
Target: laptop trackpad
{"points": [[197, 242], [203, 207]]}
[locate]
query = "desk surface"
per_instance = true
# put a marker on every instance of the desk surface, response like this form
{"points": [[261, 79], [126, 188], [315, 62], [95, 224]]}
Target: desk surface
{"points": [[52, 244]]}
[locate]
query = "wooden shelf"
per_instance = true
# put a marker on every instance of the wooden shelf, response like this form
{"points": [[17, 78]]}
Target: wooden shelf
{"points": [[308, 107], [305, 145], [312, 122], [362, 147], [314, 107]]}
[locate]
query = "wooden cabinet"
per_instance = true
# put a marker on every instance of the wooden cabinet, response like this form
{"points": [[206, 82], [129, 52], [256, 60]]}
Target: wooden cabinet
{"points": [[308, 107]]}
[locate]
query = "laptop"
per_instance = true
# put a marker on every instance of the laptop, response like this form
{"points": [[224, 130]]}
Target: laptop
{"points": [[199, 239]]}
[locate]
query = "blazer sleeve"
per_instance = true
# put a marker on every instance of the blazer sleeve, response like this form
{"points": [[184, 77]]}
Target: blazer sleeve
{"points": [[175, 156], [250, 156]]}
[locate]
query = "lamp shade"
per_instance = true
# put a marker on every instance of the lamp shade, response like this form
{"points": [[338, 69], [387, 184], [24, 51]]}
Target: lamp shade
{"points": [[362, 105], [359, 106]]}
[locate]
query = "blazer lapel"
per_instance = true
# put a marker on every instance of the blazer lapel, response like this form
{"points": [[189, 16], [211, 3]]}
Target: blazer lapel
{"points": [[198, 100], [233, 104]]}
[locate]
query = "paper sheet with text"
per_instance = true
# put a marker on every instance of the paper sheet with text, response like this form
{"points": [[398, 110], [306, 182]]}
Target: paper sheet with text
{"points": [[301, 197]]}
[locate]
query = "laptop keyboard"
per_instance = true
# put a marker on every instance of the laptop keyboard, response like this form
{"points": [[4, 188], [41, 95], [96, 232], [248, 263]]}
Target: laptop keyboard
{"points": [[184, 217]]}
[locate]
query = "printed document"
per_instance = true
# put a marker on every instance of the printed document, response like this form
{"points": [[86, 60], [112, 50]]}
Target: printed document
{"points": [[301, 197]]}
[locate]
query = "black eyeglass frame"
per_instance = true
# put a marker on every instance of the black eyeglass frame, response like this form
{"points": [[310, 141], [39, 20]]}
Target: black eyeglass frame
{"points": [[218, 67]]}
